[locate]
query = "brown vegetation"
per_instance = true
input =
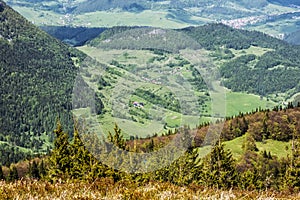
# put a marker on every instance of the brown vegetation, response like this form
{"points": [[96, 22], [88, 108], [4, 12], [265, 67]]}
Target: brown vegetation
{"points": [[105, 188]]}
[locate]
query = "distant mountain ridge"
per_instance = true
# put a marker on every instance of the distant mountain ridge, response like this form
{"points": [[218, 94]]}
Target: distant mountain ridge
{"points": [[166, 14]]}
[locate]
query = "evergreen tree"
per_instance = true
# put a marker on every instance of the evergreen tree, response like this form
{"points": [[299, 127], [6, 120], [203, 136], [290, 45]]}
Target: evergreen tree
{"points": [[59, 160], [187, 168], [83, 164], [219, 168], [117, 138], [249, 143], [150, 146]]}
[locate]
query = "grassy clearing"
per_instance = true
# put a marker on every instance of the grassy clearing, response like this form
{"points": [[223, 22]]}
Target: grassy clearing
{"points": [[277, 148], [277, 28], [258, 51], [235, 102], [241, 102]]}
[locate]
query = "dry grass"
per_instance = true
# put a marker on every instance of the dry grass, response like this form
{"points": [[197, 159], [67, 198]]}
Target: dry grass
{"points": [[107, 189]]}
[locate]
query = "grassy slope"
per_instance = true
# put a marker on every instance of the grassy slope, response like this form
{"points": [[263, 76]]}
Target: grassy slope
{"points": [[277, 148]]}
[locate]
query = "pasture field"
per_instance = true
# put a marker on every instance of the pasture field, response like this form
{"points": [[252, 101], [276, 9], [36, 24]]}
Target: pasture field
{"points": [[277, 148]]}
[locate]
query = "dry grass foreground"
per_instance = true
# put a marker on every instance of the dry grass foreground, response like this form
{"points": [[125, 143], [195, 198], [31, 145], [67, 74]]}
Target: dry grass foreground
{"points": [[107, 189]]}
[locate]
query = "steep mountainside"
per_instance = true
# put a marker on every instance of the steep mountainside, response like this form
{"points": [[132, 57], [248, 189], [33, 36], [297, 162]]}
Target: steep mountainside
{"points": [[37, 75]]}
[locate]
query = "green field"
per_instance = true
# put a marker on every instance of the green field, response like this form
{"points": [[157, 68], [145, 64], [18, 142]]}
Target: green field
{"points": [[258, 51], [277, 148], [241, 102]]}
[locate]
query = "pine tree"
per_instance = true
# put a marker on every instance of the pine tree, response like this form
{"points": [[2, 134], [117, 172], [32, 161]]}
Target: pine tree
{"points": [[83, 162], [59, 160], [249, 143], [117, 138], [219, 168], [187, 168], [150, 146]]}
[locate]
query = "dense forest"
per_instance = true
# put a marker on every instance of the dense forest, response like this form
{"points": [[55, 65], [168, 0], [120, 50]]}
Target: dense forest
{"points": [[37, 76]]}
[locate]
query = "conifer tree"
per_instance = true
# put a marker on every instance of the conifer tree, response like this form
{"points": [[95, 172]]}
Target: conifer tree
{"points": [[83, 163], [187, 168], [249, 143], [219, 168], [117, 138], [42, 169], [59, 160]]}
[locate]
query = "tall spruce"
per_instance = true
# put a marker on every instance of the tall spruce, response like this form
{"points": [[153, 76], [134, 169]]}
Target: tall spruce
{"points": [[84, 165], [117, 138], [59, 160], [219, 168]]}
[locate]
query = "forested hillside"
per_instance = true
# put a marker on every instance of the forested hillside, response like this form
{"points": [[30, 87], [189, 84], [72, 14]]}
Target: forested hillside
{"points": [[275, 71], [37, 75]]}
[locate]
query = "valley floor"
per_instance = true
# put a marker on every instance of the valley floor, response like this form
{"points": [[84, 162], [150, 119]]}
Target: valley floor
{"points": [[107, 189]]}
